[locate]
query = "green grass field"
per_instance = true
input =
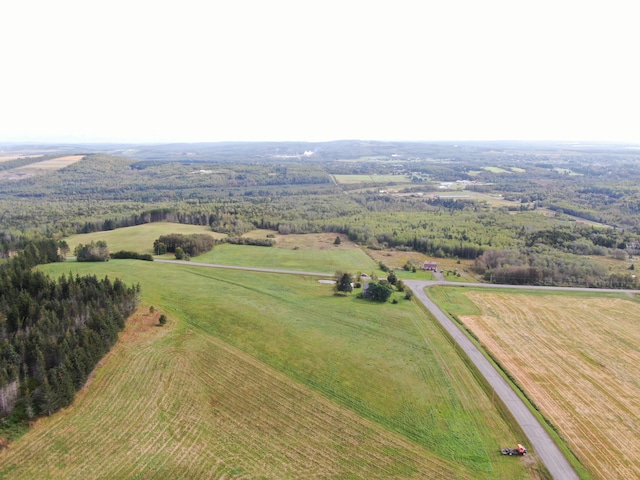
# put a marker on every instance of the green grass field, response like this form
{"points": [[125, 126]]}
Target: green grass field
{"points": [[387, 179], [324, 261], [139, 238], [495, 170], [314, 253], [269, 376]]}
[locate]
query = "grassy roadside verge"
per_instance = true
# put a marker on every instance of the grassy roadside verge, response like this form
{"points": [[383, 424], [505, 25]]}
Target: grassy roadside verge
{"points": [[453, 303]]}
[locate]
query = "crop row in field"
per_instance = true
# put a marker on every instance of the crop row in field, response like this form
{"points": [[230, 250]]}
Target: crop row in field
{"points": [[271, 375], [180, 404], [578, 359]]}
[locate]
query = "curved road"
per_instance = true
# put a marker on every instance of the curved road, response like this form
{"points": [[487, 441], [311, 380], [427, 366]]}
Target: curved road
{"points": [[539, 439]]}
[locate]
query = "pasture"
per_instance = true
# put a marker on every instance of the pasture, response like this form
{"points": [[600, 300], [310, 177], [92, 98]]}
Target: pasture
{"points": [[139, 238], [386, 179], [323, 261], [495, 169], [311, 252], [577, 357], [270, 376]]}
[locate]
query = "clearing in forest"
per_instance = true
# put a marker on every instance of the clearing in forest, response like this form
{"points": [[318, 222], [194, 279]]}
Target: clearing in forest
{"points": [[578, 359], [138, 238], [54, 163], [387, 179], [308, 252], [38, 168]]}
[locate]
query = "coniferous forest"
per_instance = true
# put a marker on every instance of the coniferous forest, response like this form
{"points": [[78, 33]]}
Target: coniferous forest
{"points": [[53, 331]]}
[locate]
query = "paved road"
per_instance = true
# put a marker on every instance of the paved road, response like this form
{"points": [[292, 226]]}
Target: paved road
{"points": [[539, 439], [430, 283]]}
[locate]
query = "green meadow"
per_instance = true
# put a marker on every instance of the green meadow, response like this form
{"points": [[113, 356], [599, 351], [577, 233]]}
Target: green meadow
{"points": [[240, 343], [323, 261], [295, 252], [139, 238], [388, 179]]}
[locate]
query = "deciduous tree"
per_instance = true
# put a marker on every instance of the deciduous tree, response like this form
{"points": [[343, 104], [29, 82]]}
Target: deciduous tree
{"points": [[378, 291]]}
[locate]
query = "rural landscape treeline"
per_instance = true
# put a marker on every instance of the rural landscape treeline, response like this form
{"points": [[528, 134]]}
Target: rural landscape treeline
{"points": [[527, 214], [508, 213]]}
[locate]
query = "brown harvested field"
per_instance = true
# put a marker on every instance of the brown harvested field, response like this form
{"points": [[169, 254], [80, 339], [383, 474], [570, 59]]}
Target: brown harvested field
{"points": [[54, 163], [39, 168], [578, 358], [315, 241], [397, 259]]}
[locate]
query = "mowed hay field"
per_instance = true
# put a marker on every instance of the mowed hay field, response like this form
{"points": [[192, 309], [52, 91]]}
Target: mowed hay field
{"points": [[311, 252], [139, 238], [39, 168], [54, 163], [269, 376], [578, 358]]}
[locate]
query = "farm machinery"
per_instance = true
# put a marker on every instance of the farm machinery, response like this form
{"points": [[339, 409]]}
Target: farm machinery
{"points": [[519, 450]]}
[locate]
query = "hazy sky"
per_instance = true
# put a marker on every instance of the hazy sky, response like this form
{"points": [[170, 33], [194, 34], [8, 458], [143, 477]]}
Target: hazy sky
{"points": [[319, 70]]}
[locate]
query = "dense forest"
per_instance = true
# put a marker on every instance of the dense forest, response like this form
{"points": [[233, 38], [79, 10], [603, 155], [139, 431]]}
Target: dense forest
{"points": [[53, 331]]}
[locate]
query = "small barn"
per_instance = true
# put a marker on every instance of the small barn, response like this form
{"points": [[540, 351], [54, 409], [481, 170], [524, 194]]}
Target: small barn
{"points": [[430, 266]]}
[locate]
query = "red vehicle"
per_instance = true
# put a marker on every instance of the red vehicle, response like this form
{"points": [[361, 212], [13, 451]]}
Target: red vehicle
{"points": [[519, 450]]}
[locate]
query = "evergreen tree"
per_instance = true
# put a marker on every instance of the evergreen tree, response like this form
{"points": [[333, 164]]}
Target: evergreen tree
{"points": [[343, 283], [392, 278]]}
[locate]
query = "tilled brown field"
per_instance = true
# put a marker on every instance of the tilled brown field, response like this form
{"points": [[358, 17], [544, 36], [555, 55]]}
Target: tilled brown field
{"points": [[578, 358]]}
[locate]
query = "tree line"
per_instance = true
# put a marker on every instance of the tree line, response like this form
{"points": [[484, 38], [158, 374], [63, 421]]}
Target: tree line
{"points": [[53, 331], [539, 266], [191, 245]]}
